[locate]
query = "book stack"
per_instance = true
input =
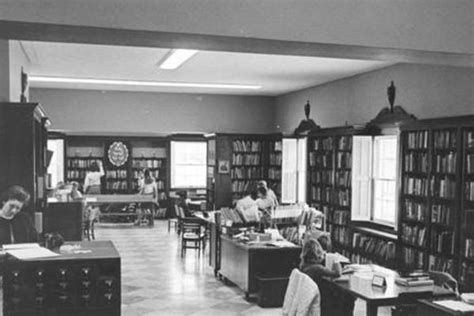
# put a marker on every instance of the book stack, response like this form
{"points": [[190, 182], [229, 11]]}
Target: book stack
{"points": [[414, 279]]}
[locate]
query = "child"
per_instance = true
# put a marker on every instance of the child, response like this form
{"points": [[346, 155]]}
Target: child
{"points": [[334, 302]]}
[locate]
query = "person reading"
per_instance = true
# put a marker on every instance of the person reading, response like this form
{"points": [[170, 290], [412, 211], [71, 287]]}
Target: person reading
{"points": [[16, 226]]}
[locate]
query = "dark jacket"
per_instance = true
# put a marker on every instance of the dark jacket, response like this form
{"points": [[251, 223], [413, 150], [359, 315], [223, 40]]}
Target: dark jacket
{"points": [[20, 228]]}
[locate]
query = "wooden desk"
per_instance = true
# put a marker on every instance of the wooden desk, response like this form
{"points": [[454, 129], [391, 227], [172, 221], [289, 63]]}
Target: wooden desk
{"points": [[241, 263], [429, 308], [360, 286], [104, 199], [70, 284]]}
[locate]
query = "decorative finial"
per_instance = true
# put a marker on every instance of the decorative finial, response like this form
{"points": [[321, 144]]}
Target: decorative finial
{"points": [[307, 109], [391, 90]]}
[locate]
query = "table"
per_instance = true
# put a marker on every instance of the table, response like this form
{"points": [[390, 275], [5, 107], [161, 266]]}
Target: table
{"points": [[360, 286], [429, 308], [121, 199], [241, 263]]}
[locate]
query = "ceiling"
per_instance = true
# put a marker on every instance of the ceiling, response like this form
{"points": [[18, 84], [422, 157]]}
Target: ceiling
{"points": [[276, 74]]}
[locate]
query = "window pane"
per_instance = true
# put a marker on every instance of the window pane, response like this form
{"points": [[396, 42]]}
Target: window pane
{"points": [[188, 164]]}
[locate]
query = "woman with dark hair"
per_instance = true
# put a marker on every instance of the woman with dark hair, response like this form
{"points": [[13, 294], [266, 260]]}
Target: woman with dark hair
{"points": [[92, 180], [148, 187], [15, 226]]}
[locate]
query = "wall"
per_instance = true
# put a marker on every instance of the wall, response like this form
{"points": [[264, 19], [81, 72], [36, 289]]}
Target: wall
{"points": [[433, 25], [5, 70], [144, 112], [18, 60], [425, 91]]}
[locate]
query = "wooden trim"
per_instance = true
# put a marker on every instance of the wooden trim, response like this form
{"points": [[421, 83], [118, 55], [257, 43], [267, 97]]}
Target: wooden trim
{"points": [[16, 30], [439, 123]]}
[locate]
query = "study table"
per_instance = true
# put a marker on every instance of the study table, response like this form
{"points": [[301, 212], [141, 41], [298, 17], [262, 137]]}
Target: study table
{"points": [[110, 199], [359, 285], [430, 308]]}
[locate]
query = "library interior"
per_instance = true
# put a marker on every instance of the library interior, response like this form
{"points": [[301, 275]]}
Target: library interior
{"points": [[237, 158]]}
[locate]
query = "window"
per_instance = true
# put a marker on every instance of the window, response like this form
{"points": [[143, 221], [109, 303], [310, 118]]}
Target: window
{"points": [[374, 179], [56, 165], [188, 164], [294, 170]]}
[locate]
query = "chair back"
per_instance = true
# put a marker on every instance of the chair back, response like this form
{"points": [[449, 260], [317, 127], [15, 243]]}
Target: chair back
{"points": [[176, 210], [302, 296]]}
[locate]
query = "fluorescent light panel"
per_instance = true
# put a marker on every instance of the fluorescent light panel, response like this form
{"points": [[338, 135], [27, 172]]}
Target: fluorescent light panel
{"points": [[176, 58], [143, 83]]}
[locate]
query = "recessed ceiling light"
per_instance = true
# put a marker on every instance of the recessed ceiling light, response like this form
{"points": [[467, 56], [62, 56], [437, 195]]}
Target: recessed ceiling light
{"points": [[143, 83], [176, 58]]}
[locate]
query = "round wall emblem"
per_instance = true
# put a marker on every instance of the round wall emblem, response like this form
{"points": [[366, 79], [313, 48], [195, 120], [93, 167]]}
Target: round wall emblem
{"points": [[118, 154]]}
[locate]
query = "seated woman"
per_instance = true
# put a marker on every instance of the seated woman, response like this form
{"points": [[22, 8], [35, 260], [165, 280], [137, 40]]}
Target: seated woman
{"points": [[183, 202], [334, 302], [15, 226]]}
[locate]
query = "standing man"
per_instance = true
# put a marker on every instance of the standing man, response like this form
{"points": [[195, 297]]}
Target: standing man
{"points": [[270, 194]]}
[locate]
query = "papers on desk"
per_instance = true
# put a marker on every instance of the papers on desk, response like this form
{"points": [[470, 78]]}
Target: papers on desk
{"points": [[456, 305], [28, 251], [332, 258], [468, 298]]}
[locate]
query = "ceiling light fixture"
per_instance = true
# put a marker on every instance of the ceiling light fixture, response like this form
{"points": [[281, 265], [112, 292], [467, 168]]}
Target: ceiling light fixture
{"points": [[143, 83], [175, 58]]}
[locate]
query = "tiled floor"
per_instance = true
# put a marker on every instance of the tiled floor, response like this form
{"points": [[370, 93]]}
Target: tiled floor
{"points": [[157, 281]]}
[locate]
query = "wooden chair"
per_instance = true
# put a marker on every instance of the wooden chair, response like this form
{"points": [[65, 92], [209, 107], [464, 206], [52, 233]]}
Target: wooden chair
{"points": [[192, 235]]}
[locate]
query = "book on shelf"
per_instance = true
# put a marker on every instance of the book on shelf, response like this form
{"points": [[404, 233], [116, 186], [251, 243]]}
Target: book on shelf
{"points": [[275, 158], [444, 187], [246, 172], [246, 145], [343, 178], [445, 163], [470, 139], [409, 283], [442, 214], [470, 190], [149, 163], [469, 248], [415, 211], [415, 162], [414, 234], [444, 139], [442, 241], [344, 160], [437, 263], [344, 143], [412, 258], [326, 143], [415, 186], [246, 159], [417, 140], [276, 145], [470, 163]]}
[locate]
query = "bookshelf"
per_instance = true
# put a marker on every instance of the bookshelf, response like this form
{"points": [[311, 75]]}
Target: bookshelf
{"points": [[435, 209], [247, 164]]}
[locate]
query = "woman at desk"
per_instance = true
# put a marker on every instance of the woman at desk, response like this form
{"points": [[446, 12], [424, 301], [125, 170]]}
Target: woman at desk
{"points": [[333, 301], [15, 226], [265, 205]]}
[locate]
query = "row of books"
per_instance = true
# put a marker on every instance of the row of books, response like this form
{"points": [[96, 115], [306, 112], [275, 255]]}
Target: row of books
{"points": [[343, 178], [341, 235], [290, 233], [246, 159], [324, 143], [470, 190], [82, 163], [246, 145], [243, 186], [228, 214], [342, 197], [442, 242], [324, 177], [415, 186], [246, 172], [414, 234], [444, 139], [149, 163], [76, 174], [344, 160], [442, 214], [116, 174], [160, 184], [415, 162], [417, 140], [385, 250], [117, 185], [274, 173], [412, 258], [321, 194], [415, 211], [444, 188], [469, 248], [344, 143], [437, 263], [275, 158], [445, 163], [276, 146], [154, 173], [341, 217], [320, 161], [470, 163]]}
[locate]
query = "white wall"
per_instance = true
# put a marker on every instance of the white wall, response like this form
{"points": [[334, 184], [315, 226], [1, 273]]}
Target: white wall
{"points": [[433, 25], [143, 112], [422, 90]]}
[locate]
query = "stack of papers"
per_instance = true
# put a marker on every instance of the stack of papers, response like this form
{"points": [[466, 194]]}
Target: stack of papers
{"points": [[468, 298], [28, 251], [456, 305]]}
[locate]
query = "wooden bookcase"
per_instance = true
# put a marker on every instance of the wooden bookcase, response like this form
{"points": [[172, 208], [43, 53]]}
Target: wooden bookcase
{"points": [[23, 140], [249, 158], [434, 198], [143, 152]]}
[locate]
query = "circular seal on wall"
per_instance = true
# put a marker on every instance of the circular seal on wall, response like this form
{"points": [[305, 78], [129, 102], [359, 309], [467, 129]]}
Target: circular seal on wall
{"points": [[118, 154]]}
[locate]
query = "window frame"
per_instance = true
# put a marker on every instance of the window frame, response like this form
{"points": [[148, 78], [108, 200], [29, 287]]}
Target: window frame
{"points": [[172, 164]]}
